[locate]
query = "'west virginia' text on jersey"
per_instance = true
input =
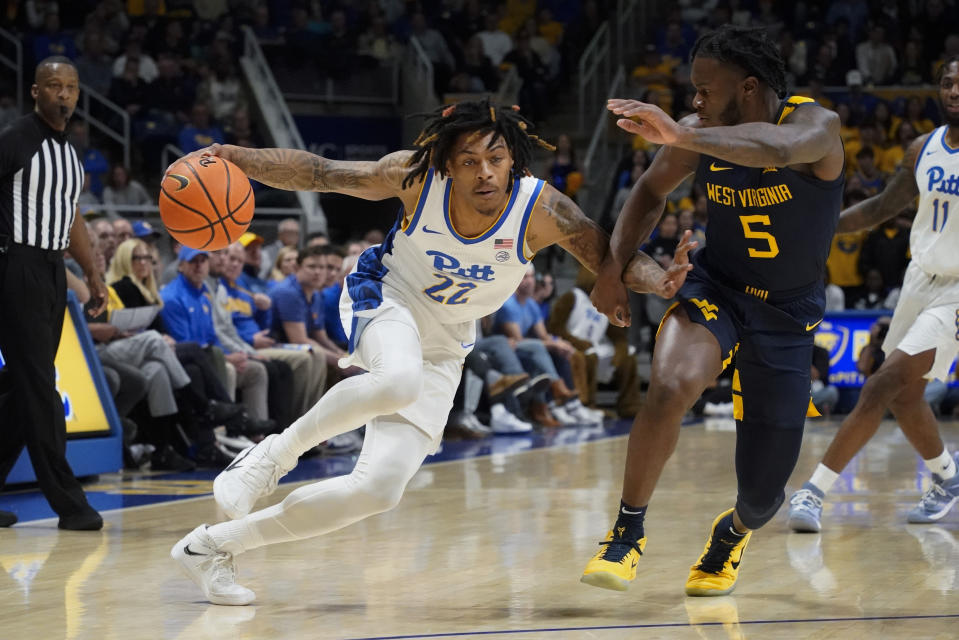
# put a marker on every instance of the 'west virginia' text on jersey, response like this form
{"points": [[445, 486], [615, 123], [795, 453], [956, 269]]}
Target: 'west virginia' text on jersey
{"points": [[427, 263], [769, 229]]}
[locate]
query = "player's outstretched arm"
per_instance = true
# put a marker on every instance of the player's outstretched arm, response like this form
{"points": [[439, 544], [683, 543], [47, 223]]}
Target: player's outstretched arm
{"points": [[558, 220], [809, 135], [898, 194], [296, 170]]}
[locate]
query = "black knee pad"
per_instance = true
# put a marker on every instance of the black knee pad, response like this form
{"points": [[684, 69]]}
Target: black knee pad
{"points": [[755, 511]]}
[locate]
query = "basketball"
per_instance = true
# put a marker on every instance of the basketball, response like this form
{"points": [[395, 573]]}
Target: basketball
{"points": [[206, 203]]}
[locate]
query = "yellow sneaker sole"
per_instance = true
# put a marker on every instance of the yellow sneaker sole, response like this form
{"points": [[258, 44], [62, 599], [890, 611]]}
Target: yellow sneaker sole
{"points": [[699, 592], [605, 580]]}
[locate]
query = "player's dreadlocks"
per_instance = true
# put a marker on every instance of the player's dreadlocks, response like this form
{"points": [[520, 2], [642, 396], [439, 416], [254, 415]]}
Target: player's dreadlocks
{"points": [[444, 126], [748, 48]]}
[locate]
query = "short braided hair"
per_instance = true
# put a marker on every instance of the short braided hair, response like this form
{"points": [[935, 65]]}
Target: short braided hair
{"points": [[748, 48], [444, 125], [945, 65]]}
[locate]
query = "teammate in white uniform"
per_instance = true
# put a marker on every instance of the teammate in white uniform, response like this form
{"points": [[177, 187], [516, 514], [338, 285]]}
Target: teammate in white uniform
{"points": [[472, 218], [923, 338]]}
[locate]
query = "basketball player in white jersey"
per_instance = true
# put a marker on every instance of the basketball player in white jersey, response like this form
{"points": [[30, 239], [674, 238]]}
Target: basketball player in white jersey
{"points": [[923, 338], [472, 218]]}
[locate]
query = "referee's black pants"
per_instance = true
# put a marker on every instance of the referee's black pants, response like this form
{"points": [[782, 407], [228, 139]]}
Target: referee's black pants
{"points": [[33, 299]]}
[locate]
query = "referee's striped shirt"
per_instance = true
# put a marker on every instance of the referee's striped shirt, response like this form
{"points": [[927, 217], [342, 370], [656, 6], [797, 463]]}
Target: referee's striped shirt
{"points": [[40, 180]]}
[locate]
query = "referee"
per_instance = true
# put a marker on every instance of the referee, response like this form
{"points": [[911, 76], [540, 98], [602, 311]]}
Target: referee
{"points": [[40, 179]]}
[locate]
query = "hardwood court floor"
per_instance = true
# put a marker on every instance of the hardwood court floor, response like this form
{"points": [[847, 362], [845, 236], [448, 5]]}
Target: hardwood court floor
{"points": [[493, 547]]}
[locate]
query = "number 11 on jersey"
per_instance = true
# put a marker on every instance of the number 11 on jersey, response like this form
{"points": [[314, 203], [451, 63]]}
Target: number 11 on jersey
{"points": [[938, 225]]}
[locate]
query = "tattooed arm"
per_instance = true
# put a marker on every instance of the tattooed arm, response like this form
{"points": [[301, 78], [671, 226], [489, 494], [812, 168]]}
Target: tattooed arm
{"points": [[296, 170], [557, 220], [897, 195]]}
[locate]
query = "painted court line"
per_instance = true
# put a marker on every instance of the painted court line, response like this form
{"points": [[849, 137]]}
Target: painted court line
{"points": [[663, 625]]}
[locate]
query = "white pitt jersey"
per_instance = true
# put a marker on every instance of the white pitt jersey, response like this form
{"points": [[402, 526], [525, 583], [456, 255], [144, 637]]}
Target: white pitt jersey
{"points": [[430, 265], [934, 239]]}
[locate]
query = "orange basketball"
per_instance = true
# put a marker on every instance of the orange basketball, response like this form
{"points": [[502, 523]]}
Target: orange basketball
{"points": [[206, 203]]}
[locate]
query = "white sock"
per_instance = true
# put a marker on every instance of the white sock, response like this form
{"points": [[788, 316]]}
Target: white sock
{"points": [[942, 465], [235, 536], [823, 478]]}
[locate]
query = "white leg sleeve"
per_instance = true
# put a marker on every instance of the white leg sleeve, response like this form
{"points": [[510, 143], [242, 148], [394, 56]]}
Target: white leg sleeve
{"points": [[392, 351], [392, 452]]}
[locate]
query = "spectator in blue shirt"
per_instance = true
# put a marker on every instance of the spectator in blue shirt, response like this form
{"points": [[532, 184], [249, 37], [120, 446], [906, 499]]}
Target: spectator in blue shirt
{"points": [[187, 311], [298, 316], [250, 278], [200, 133]]}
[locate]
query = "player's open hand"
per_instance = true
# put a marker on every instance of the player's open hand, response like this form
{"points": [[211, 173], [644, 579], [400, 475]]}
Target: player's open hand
{"points": [[674, 277], [215, 149], [610, 297], [646, 120]]}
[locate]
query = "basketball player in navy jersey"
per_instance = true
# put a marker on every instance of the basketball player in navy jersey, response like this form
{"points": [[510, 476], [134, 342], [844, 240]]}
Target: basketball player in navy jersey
{"points": [[472, 218], [772, 170]]}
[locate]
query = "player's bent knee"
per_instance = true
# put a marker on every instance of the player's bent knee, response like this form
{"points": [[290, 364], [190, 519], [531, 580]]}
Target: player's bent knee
{"points": [[757, 508]]}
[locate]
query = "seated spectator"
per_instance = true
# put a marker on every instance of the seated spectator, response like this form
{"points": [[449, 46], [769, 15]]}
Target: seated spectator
{"points": [[222, 91], [871, 180], [913, 69], [317, 239], [496, 43], [875, 294], [106, 238], [52, 41], [565, 173], [172, 94], [188, 316], [886, 249], [543, 294], [146, 67], [123, 230], [309, 368], [121, 190], [546, 52], [435, 48], [130, 91], [872, 356], [532, 70], [377, 45], [94, 66], [283, 266], [915, 116], [610, 358], [478, 66], [903, 135], [241, 131], [199, 132], [541, 353], [835, 296], [842, 265], [338, 267], [825, 396], [875, 58], [94, 161], [655, 72], [549, 28], [253, 245], [287, 235], [298, 316]]}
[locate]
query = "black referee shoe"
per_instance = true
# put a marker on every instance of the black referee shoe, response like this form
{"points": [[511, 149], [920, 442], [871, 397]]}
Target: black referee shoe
{"points": [[86, 520], [7, 518]]}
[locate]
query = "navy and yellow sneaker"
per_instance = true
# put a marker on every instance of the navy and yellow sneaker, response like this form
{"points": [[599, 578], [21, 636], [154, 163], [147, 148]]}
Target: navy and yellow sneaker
{"points": [[614, 567], [715, 573]]}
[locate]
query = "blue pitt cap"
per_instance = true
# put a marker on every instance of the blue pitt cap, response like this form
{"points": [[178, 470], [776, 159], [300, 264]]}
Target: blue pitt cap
{"points": [[142, 229], [188, 253]]}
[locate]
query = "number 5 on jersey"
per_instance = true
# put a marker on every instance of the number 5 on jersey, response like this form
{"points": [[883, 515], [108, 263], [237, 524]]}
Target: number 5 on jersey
{"points": [[772, 249], [456, 297]]}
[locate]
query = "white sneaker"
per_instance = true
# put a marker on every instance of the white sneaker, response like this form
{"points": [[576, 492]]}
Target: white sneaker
{"points": [[504, 422], [236, 443], [212, 570], [349, 442], [562, 415], [582, 413], [474, 423], [252, 475]]}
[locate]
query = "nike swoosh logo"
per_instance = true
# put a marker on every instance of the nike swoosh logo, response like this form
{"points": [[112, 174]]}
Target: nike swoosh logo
{"points": [[428, 230], [630, 513], [929, 153], [635, 562], [236, 463], [186, 550], [810, 327], [183, 181], [735, 565], [467, 346], [713, 167]]}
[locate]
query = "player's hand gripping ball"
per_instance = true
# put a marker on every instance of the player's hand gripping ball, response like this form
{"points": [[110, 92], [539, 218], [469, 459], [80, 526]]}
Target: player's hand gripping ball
{"points": [[206, 202]]}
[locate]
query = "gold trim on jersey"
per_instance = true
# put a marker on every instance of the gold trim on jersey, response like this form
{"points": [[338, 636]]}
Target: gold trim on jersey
{"points": [[762, 294], [791, 104]]}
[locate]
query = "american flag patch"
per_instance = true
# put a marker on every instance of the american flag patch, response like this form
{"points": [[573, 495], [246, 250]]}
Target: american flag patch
{"points": [[503, 243]]}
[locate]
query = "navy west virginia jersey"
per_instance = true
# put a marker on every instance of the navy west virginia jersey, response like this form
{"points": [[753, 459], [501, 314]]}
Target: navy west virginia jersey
{"points": [[769, 229]]}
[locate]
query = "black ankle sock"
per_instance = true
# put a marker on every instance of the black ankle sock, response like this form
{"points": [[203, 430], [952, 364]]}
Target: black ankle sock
{"points": [[629, 522], [727, 530]]}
